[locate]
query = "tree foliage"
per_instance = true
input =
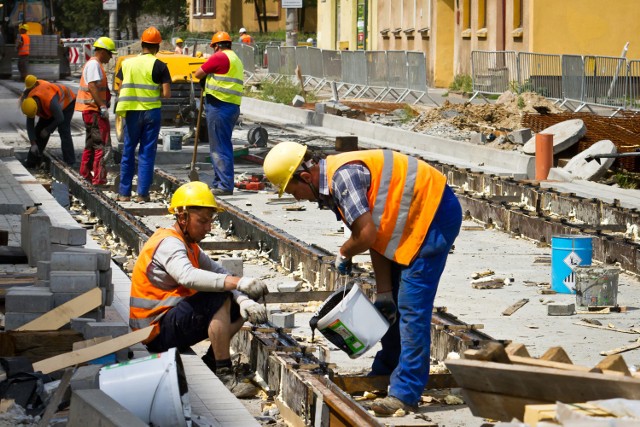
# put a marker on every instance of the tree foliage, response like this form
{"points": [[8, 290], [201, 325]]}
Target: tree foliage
{"points": [[80, 16]]}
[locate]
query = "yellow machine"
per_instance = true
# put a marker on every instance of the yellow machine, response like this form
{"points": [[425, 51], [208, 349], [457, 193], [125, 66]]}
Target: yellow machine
{"points": [[182, 108]]}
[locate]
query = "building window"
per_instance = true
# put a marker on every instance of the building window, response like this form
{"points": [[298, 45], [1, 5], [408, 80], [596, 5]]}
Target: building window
{"points": [[482, 14], [466, 15], [204, 7], [517, 14]]}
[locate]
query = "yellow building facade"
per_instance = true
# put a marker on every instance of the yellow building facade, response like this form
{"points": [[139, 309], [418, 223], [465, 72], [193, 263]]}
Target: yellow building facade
{"points": [[209, 16], [449, 30]]}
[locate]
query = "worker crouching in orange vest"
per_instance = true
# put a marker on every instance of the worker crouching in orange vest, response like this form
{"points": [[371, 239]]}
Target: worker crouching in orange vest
{"points": [[93, 101], [54, 104], [186, 296]]}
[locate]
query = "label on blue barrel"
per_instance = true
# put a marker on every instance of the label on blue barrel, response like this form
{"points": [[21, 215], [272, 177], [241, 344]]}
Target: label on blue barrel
{"points": [[572, 261]]}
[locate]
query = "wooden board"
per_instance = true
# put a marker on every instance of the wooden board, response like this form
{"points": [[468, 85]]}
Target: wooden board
{"points": [[303, 296], [539, 383], [71, 358], [36, 345], [515, 307], [60, 316], [354, 383], [501, 407]]}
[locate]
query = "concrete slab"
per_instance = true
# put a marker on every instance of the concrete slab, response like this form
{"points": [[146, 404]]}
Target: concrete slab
{"points": [[594, 169], [565, 134]]}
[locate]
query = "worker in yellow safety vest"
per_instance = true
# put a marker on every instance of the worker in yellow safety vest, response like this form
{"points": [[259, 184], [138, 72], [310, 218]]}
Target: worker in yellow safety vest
{"points": [[145, 79], [186, 296], [223, 90], [403, 213], [94, 99]]}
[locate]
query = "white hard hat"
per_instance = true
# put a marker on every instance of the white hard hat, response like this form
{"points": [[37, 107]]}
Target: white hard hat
{"points": [[309, 40], [243, 30]]}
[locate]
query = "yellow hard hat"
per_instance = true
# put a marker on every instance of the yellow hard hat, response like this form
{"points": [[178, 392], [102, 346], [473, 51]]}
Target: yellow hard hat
{"points": [[29, 107], [282, 162], [198, 54], [196, 194], [105, 43], [179, 40], [30, 81], [23, 27]]}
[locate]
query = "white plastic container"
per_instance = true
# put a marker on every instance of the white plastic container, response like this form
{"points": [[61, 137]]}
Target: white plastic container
{"points": [[149, 387], [354, 324], [172, 140]]}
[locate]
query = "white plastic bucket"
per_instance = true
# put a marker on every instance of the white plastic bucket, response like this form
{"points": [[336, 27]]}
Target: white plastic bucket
{"points": [[354, 321], [149, 387], [172, 140]]}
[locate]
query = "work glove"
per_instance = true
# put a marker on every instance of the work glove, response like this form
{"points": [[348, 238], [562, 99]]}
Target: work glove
{"points": [[343, 264], [252, 311], [34, 150], [44, 134], [104, 112], [253, 288], [387, 306]]}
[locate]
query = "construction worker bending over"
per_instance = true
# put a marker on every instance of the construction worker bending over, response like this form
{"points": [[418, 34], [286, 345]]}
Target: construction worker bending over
{"points": [[223, 91], [23, 45], [145, 80], [93, 101], [401, 210], [53, 103], [188, 297]]}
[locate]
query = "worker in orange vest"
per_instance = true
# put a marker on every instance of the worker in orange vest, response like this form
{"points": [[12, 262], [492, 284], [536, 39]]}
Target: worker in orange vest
{"points": [[244, 37], [185, 295], [23, 45], [402, 211], [93, 101], [54, 104]]}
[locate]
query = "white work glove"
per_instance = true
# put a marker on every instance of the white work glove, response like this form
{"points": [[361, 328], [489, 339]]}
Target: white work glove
{"points": [[252, 311], [253, 288], [34, 150], [104, 112], [343, 264], [387, 306]]}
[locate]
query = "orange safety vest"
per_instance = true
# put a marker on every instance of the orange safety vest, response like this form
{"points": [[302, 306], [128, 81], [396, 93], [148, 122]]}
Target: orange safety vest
{"points": [[45, 91], [25, 47], [85, 100], [149, 302], [246, 38], [404, 195]]}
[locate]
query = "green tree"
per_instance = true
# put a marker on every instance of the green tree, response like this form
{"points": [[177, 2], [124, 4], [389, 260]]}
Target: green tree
{"points": [[80, 16]]}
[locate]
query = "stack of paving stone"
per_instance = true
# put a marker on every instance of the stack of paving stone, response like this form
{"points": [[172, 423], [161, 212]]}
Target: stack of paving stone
{"points": [[67, 275]]}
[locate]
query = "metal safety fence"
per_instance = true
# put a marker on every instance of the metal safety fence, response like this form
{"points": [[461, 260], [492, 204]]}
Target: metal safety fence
{"points": [[379, 75], [576, 81]]}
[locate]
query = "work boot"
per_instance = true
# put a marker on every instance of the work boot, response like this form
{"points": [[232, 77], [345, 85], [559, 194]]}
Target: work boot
{"points": [[241, 388], [387, 406]]}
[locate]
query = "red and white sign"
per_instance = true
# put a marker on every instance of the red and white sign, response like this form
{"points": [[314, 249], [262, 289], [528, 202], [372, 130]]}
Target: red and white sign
{"points": [[73, 55], [109, 4]]}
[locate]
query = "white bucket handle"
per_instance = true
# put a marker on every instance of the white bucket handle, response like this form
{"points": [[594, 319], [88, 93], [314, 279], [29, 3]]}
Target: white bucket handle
{"points": [[343, 302]]}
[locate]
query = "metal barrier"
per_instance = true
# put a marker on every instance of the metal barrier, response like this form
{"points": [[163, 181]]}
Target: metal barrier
{"points": [[493, 72], [245, 53], [354, 72], [540, 73], [633, 85], [572, 79], [603, 83]]}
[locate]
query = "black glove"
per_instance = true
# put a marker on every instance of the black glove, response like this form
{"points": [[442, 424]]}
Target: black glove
{"points": [[203, 82], [387, 307], [44, 134], [35, 151]]}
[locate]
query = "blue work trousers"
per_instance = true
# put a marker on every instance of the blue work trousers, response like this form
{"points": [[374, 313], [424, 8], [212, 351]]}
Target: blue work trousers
{"points": [[406, 345], [141, 129], [221, 119]]}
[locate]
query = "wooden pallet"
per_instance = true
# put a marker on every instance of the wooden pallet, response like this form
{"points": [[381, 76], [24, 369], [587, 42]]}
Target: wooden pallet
{"points": [[498, 382]]}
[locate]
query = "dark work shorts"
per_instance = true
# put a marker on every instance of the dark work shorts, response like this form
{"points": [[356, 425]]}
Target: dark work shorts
{"points": [[187, 323]]}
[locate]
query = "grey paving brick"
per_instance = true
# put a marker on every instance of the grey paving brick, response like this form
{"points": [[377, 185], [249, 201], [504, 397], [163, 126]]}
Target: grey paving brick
{"points": [[74, 261], [15, 320], [29, 300], [73, 281], [94, 407]]}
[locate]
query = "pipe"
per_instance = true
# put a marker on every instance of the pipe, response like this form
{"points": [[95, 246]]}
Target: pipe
{"points": [[544, 155]]}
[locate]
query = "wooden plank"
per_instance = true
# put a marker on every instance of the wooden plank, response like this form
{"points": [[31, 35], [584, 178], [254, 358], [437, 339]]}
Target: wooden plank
{"points": [[288, 415], [541, 383], [501, 407], [52, 406], [515, 307], [556, 354], [60, 316], [614, 363], [517, 349], [590, 325], [621, 349], [530, 361], [464, 327], [355, 384], [490, 351], [89, 353], [146, 210]]}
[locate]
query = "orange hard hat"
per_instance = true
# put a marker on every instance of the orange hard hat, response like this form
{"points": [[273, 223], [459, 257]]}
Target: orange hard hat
{"points": [[152, 35], [220, 36]]}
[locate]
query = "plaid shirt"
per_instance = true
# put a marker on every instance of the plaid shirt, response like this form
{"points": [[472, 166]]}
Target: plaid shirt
{"points": [[349, 190]]}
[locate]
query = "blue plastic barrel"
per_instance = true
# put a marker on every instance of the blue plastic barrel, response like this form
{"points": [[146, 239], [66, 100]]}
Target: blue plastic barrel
{"points": [[567, 252]]}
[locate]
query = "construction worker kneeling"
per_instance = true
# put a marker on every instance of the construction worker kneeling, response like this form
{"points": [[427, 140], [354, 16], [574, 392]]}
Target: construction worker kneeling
{"points": [[187, 296]]}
